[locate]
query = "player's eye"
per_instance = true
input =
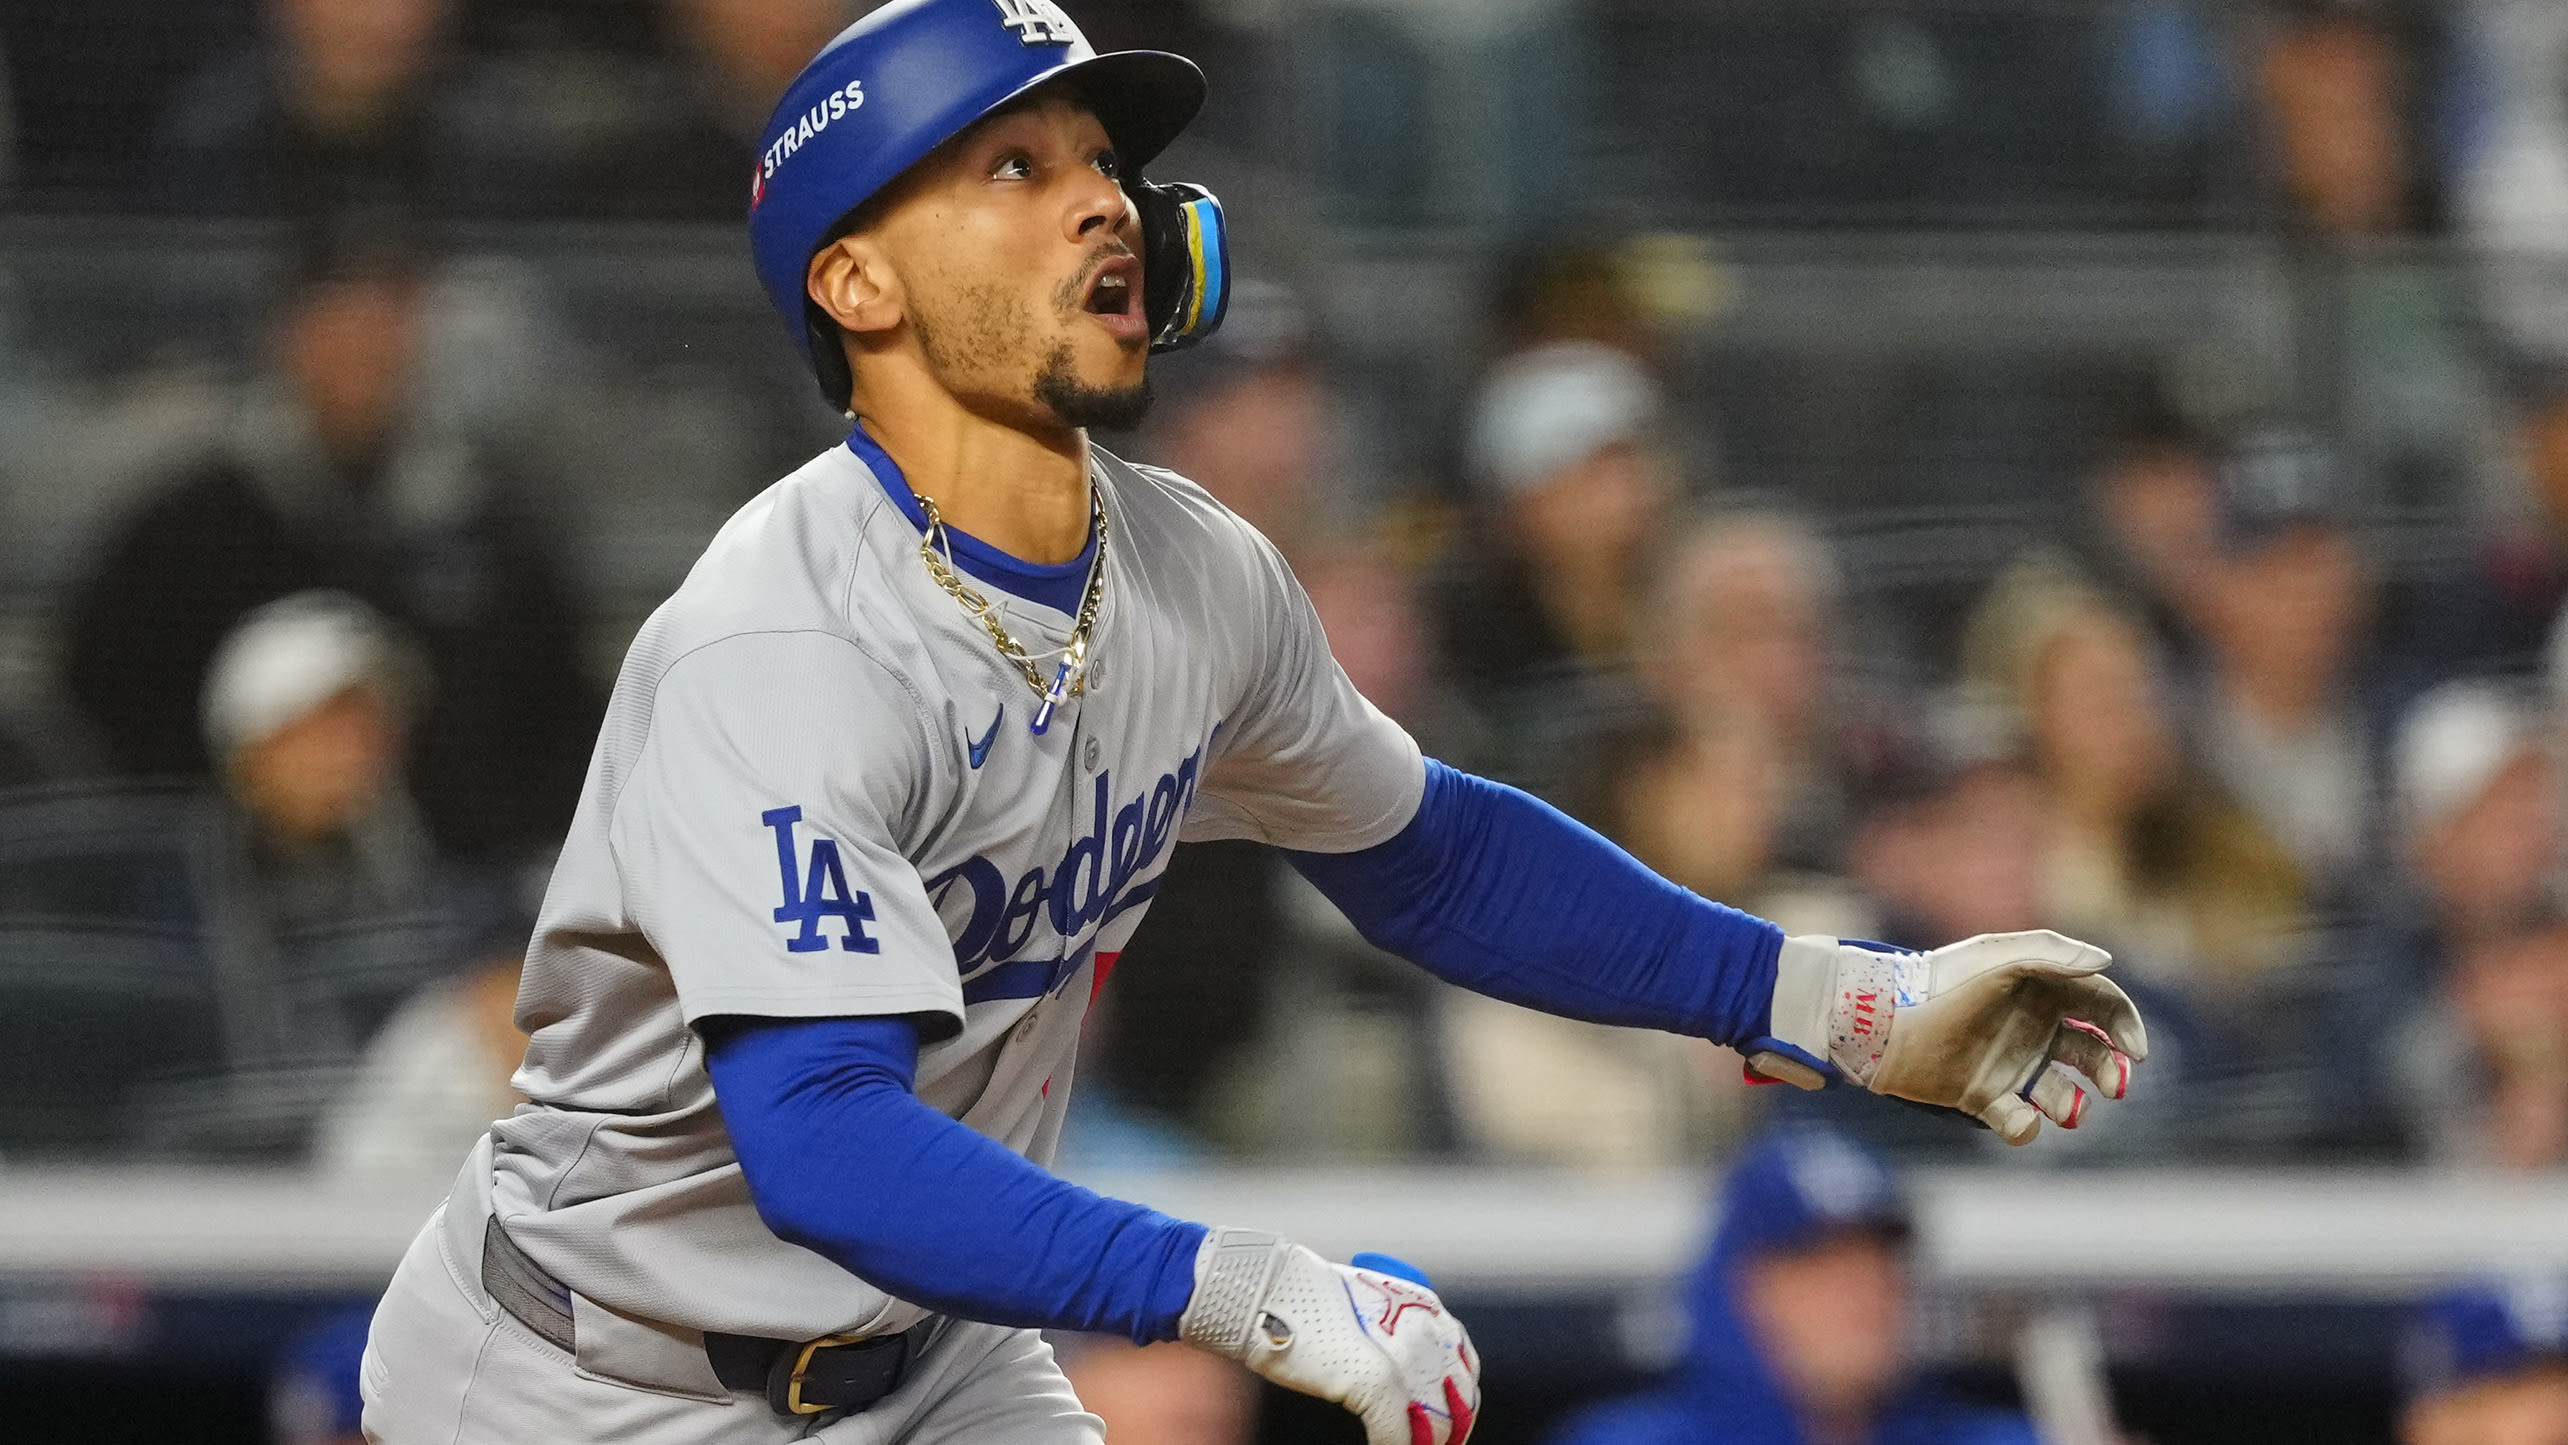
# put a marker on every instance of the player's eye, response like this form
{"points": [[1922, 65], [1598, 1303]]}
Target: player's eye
{"points": [[1109, 165], [1014, 166]]}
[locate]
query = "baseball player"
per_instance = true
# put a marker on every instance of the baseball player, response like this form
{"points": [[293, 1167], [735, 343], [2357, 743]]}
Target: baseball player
{"points": [[889, 782]]}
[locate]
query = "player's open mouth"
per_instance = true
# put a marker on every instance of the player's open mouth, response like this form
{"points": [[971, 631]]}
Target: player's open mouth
{"points": [[1114, 297]]}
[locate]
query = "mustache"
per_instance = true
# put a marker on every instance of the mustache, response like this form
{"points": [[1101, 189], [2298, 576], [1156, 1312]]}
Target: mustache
{"points": [[1072, 295]]}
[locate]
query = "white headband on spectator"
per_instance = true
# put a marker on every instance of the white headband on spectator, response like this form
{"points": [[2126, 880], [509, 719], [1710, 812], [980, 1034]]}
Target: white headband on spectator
{"points": [[289, 657], [2453, 744], [1555, 406]]}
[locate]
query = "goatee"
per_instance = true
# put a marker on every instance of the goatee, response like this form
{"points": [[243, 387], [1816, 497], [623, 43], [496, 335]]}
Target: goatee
{"points": [[1106, 408]]}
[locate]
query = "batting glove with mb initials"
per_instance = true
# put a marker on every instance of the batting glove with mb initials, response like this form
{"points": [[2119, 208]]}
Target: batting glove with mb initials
{"points": [[1990, 1026], [1379, 1344]]}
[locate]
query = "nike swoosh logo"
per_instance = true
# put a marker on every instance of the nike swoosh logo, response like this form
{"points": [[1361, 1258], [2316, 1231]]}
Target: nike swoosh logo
{"points": [[981, 749]]}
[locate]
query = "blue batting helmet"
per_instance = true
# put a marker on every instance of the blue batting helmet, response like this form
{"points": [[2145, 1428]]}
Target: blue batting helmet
{"points": [[898, 83]]}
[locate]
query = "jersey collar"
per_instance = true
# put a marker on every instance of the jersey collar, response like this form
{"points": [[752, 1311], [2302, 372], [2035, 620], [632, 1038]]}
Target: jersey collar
{"points": [[1057, 585]]}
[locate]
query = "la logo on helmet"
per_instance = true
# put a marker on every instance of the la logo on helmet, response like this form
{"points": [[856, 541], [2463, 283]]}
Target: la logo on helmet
{"points": [[1037, 22]]}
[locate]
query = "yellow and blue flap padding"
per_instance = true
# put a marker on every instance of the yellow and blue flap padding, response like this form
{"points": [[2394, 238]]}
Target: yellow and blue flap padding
{"points": [[1185, 262]]}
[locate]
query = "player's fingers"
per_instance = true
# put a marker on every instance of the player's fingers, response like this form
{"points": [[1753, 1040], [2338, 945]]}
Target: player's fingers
{"points": [[1459, 1409], [2057, 1096], [2101, 1002], [2012, 1119], [2083, 1047], [1390, 1419], [2042, 951], [1422, 1426]]}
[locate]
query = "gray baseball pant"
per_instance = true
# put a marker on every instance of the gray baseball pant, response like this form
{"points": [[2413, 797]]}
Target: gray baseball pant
{"points": [[444, 1365]]}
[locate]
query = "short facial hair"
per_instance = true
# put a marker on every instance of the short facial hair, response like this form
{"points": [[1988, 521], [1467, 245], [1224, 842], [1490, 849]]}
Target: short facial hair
{"points": [[985, 328], [1108, 408]]}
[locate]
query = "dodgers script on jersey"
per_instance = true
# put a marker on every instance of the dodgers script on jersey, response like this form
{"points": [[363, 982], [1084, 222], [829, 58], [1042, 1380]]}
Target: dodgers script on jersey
{"points": [[816, 795]]}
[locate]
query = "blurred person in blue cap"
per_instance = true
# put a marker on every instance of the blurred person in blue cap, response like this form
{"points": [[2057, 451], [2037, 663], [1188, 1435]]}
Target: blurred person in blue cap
{"points": [[2487, 1364], [1800, 1319], [2284, 610], [312, 1382]]}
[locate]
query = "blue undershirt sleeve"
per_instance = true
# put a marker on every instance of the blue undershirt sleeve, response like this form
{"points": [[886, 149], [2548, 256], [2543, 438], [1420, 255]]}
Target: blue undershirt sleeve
{"points": [[1497, 891], [844, 1160]]}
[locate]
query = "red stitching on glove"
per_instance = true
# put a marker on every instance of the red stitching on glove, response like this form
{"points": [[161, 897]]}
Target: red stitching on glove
{"points": [[1461, 1413], [1422, 1431]]}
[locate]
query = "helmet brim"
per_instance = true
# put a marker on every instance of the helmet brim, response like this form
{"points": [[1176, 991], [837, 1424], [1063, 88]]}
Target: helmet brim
{"points": [[1143, 98]]}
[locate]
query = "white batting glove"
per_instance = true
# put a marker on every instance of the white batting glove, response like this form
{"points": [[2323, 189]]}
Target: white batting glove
{"points": [[1991, 1026], [1383, 1347]]}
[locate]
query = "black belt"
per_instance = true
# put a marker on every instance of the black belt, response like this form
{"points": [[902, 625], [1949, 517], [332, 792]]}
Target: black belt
{"points": [[798, 1377]]}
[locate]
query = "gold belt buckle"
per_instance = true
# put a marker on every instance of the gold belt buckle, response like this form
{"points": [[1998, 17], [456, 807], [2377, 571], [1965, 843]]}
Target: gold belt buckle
{"points": [[802, 1367]]}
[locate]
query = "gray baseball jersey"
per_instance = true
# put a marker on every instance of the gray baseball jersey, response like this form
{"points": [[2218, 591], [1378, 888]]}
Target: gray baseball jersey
{"points": [[816, 794]]}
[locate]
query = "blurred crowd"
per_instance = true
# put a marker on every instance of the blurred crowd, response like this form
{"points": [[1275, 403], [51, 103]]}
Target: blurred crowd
{"points": [[318, 684], [2265, 690]]}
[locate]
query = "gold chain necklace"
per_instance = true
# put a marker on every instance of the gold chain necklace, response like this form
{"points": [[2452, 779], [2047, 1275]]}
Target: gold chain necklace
{"points": [[937, 551]]}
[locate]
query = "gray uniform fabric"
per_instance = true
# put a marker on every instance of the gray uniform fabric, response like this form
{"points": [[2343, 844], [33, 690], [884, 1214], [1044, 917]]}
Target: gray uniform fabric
{"points": [[816, 795], [444, 1366]]}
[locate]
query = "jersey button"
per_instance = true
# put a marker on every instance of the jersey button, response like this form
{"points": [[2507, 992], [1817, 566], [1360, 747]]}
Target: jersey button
{"points": [[1095, 749], [1025, 1026]]}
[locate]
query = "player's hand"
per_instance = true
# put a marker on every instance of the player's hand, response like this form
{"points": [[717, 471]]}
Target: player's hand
{"points": [[1379, 1344], [1991, 1026]]}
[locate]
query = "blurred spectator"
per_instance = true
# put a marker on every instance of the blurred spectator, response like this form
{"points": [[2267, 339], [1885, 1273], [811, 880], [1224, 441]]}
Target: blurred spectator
{"points": [[2282, 613], [1247, 417], [636, 109], [1573, 485], [2347, 86], [433, 1079], [1565, 443], [1577, 291], [1732, 789], [2478, 812], [743, 53], [2488, 1365], [307, 708], [2145, 854], [1163, 1394], [330, 483], [1702, 805], [1800, 1319], [312, 1386], [2479, 808], [1745, 771], [1243, 416], [2156, 505], [1958, 835], [2492, 611], [752, 49], [1530, 1088], [2511, 190], [1242, 970], [340, 105], [323, 898], [1955, 845], [2508, 1104]]}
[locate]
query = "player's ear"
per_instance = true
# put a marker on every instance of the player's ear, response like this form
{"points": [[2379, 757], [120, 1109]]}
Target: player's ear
{"points": [[852, 281]]}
